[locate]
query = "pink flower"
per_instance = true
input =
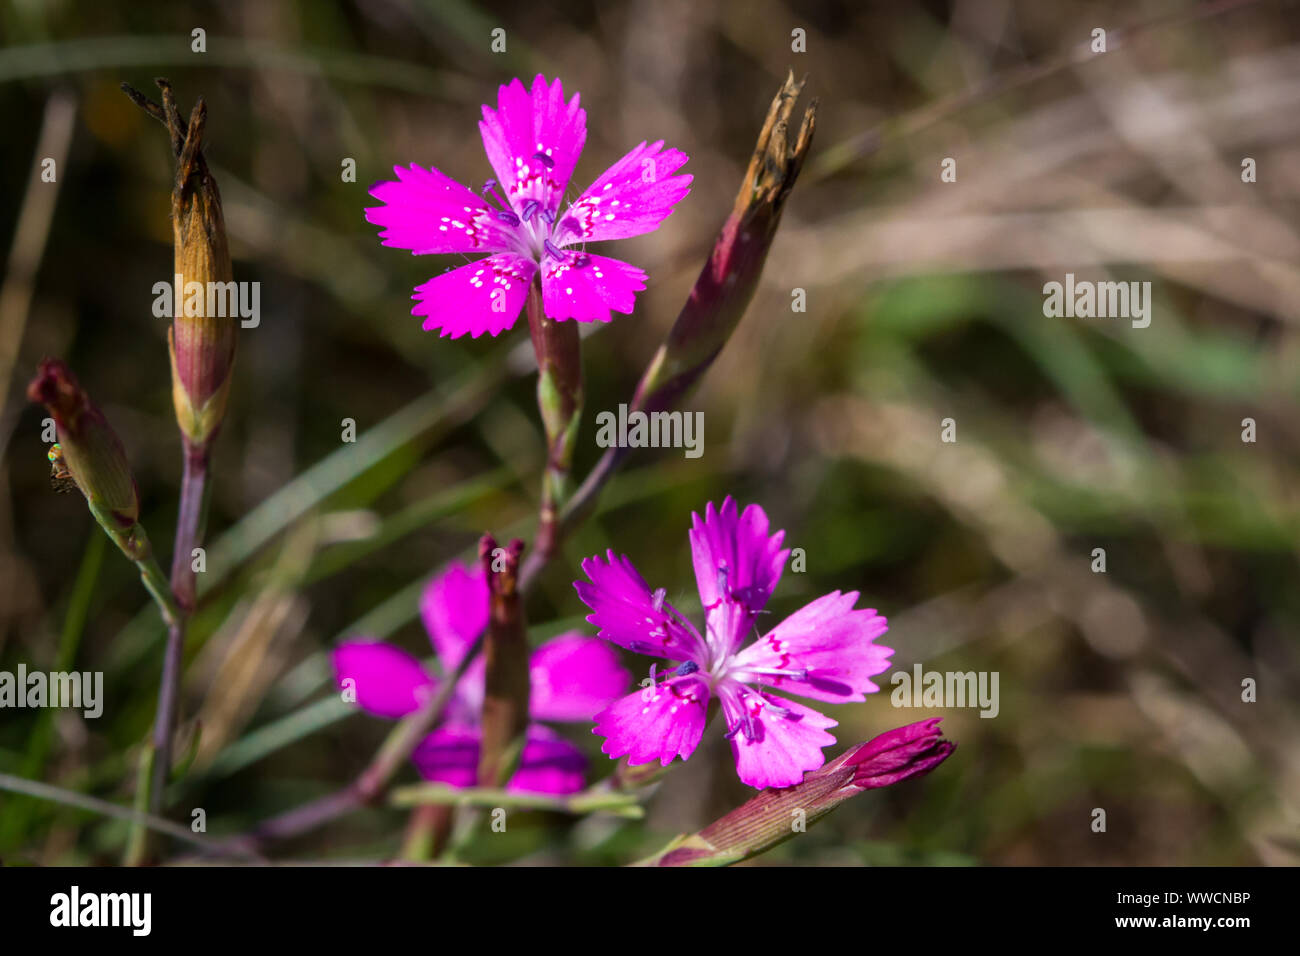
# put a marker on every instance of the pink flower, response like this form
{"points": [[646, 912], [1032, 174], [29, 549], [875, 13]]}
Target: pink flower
{"points": [[824, 651], [533, 140], [573, 676]]}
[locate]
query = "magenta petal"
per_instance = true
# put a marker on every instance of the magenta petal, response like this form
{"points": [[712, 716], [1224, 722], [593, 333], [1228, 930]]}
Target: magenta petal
{"points": [[549, 765], [828, 639], [428, 212], [533, 140], [484, 296], [657, 723], [630, 198], [775, 741], [898, 754], [449, 755], [388, 681], [454, 608], [625, 611], [574, 677], [589, 288], [739, 546]]}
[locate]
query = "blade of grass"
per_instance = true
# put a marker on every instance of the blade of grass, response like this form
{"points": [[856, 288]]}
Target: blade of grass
{"points": [[80, 801], [18, 813]]}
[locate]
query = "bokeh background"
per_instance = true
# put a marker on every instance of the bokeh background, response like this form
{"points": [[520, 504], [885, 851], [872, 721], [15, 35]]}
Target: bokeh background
{"points": [[1119, 691]]}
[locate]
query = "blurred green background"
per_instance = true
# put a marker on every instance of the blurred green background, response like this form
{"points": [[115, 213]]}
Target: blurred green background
{"points": [[1119, 690]]}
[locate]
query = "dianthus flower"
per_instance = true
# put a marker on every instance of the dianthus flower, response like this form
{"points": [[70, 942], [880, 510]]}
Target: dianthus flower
{"points": [[533, 140]]}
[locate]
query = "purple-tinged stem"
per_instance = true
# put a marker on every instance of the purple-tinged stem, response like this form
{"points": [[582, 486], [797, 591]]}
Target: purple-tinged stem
{"points": [[190, 520]]}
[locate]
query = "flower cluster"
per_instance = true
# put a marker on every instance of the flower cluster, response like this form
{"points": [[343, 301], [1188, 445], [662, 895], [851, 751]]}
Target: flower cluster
{"points": [[533, 245]]}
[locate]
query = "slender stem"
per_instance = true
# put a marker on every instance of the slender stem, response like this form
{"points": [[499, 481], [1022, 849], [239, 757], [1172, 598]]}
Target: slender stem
{"points": [[577, 509], [189, 532], [165, 716], [426, 833], [558, 348], [590, 801], [43, 791], [190, 519], [137, 843], [156, 584]]}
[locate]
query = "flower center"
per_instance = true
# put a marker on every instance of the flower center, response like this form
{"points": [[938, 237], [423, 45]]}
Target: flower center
{"points": [[532, 223]]}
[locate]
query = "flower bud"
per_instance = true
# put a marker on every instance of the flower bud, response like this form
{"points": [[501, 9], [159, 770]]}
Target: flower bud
{"points": [[768, 818], [93, 455], [727, 282], [201, 338]]}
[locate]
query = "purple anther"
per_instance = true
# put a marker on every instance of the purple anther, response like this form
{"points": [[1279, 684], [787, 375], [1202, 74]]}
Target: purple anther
{"points": [[530, 209], [508, 217], [545, 160]]}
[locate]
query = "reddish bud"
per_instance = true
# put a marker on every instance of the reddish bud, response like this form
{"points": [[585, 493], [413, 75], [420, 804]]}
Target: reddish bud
{"points": [[771, 817], [92, 454]]}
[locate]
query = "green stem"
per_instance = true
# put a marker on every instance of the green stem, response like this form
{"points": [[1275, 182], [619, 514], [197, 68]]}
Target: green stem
{"points": [[593, 801], [155, 582]]}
